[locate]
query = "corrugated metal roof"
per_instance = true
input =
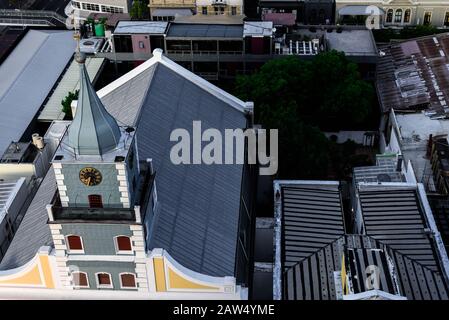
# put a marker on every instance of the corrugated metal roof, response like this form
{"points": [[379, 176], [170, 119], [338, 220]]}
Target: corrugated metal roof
{"points": [[33, 231], [69, 83], [23, 89], [147, 27], [313, 278], [312, 219], [205, 31], [394, 217]]}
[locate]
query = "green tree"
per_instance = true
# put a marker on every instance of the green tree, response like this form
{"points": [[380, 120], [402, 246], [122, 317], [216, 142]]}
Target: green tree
{"points": [[67, 104], [298, 97], [139, 9]]}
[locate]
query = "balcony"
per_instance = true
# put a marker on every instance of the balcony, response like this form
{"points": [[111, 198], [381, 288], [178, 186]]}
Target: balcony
{"points": [[172, 3]]}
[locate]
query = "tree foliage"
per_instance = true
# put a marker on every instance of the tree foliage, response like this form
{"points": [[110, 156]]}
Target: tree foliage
{"points": [[298, 97], [67, 104], [139, 9]]}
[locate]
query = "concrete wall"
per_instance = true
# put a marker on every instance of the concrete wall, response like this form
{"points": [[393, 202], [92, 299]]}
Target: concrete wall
{"points": [[140, 38], [438, 10]]}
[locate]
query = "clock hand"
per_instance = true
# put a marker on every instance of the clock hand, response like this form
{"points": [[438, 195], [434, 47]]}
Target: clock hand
{"points": [[88, 181]]}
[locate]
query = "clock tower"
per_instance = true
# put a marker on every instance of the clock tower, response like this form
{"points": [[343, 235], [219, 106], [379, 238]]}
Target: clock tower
{"points": [[95, 165], [102, 199]]}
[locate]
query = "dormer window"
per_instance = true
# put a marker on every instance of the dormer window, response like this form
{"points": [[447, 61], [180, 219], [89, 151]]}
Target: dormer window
{"points": [[123, 245], [74, 244]]}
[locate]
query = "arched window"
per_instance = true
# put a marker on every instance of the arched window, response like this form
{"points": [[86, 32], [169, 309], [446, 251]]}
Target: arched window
{"points": [[407, 15], [390, 16], [80, 279], [75, 244], [128, 281], [123, 244], [427, 18], [398, 16], [104, 280], [95, 201]]}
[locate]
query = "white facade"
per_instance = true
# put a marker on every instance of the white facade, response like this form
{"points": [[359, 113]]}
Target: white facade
{"points": [[401, 13], [105, 6]]}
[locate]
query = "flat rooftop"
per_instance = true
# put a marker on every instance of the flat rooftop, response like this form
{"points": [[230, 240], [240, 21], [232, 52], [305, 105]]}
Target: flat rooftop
{"points": [[144, 27], [352, 42], [191, 30], [414, 75]]}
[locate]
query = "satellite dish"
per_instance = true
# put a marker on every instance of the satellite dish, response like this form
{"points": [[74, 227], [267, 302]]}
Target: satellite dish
{"points": [[274, 30]]}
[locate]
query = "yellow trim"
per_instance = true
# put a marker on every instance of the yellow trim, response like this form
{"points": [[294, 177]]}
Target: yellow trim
{"points": [[159, 274], [343, 275], [31, 277], [47, 272], [178, 282]]}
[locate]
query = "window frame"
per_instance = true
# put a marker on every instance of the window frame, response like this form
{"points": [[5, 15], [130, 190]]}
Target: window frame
{"points": [[80, 286], [104, 286], [97, 200], [387, 20], [424, 18], [396, 16], [68, 244], [121, 282], [124, 252], [409, 17]]}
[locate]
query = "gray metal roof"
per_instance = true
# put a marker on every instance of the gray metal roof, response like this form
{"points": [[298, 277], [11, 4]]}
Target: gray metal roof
{"points": [[395, 217], [379, 173], [199, 205], [312, 219], [205, 31], [69, 83], [33, 231], [147, 27], [198, 211], [93, 130], [171, 12], [313, 278], [23, 89]]}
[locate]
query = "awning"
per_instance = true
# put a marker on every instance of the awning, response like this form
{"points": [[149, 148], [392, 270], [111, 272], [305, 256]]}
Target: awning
{"points": [[360, 11], [171, 12]]}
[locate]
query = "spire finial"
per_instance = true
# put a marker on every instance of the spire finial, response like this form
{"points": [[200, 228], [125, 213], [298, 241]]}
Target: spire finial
{"points": [[80, 57]]}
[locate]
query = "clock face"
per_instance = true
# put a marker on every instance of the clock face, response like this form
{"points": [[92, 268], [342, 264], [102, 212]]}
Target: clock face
{"points": [[90, 176]]}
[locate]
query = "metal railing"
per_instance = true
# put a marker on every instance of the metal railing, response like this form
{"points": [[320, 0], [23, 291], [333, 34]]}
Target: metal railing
{"points": [[29, 16]]}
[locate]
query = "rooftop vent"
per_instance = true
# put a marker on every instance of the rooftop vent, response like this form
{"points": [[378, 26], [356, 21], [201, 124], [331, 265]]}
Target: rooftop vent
{"points": [[59, 157]]}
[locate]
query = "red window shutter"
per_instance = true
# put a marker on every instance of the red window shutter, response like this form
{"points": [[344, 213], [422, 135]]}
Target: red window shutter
{"points": [[80, 279], [124, 243], [75, 243], [104, 279], [128, 280]]}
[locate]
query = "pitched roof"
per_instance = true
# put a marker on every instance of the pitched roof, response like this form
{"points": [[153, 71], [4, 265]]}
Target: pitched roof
{"points": [[198, 206], [33, 231], [310, 247]]}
